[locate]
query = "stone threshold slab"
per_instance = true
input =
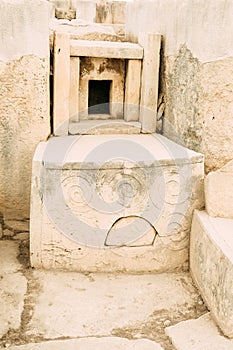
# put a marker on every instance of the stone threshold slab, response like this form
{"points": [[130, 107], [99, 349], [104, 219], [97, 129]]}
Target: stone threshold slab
{"points": [[107, 343], [95, 127], [106, 49]]}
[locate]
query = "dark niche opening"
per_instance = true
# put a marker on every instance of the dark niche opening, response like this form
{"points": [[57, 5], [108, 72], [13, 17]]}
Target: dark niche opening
{"points": [[99, 96]]}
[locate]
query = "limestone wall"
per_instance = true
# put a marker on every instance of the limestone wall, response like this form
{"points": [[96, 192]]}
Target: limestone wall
{"points": [[24, 107], [196, 71]]}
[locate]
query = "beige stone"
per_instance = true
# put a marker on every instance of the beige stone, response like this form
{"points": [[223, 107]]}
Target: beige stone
{"points": [[149, 81], [74, 88], [17, 225], [24, 99], [106, 302], [219, 192], [201, 333], [104, 343], [84, 31], [106, 49], [132, 90], [86, 10], [195, 78], [101, 179], [96, 127], [13, 287], [61, 84], [211, 263]]}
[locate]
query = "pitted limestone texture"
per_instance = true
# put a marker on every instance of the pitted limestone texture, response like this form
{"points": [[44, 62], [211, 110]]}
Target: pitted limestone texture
{"points": [[211, 263], [82, 185]]}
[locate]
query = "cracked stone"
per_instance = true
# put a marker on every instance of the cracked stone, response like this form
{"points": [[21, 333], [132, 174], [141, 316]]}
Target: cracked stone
{"points": [[17, 225], [8, 233], [105, 343], [134, 298], [22, 236], [201, 333]]}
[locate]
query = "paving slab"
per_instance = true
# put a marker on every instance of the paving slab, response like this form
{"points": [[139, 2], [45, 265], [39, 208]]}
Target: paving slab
{"points": [[78, 305], [199, 334], [92, 343], [13, 287], [9, 251]]}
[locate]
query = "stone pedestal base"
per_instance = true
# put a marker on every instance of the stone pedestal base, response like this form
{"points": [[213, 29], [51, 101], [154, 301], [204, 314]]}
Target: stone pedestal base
{"points": [[113, 203]]}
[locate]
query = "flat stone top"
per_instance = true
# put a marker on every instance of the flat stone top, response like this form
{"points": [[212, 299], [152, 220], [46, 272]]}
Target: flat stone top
{"points": [[114, 151], [220, 230], [105, 49]]}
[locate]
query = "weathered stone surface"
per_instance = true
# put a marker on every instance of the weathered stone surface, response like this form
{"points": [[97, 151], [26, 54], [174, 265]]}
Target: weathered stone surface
{"points": [[196, 71], [61, 84], [86, 10], [96, 180], [150, 80], [219, 192], [83, 31], [77, 305], [211, 263], [8, 257], [106, 49], [24, 105], [17, 225], [13, 286], [110, 126], [22, 236], [62, 13], [92, 343], [198, 334]]}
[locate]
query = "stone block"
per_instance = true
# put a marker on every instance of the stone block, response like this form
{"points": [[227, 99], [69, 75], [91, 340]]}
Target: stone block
{"points": [[61, 84], [108, 303], [211, 263], [198, 334], [106, 49], [150, 80], [86, 10], [24, 98], [219, 192], [83, 185]]}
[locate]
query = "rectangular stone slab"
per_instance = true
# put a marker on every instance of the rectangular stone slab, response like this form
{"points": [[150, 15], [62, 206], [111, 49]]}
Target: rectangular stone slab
{"points": [[105, 49], [211, 262]]}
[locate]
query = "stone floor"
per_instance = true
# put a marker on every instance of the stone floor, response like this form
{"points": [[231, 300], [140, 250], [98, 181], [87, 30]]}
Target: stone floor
{"points": [[60, 310]]}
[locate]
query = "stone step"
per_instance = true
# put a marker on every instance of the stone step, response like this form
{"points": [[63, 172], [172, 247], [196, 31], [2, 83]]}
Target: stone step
{"points": [[211, 263], [107, 343], [198, 334]]}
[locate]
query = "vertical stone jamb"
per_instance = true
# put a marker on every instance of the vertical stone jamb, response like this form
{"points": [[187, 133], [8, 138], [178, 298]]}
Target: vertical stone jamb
{"points": [[132, 90], [150, 80], [61, 93], [74, 88]]}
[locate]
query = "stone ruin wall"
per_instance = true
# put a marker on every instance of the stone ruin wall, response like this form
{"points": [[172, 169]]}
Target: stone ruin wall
{"points": [[24, 109], [196, 71], [196, 83]]}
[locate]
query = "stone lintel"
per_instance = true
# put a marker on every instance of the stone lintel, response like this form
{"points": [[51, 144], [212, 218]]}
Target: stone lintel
{"points": [[106, 49]]}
